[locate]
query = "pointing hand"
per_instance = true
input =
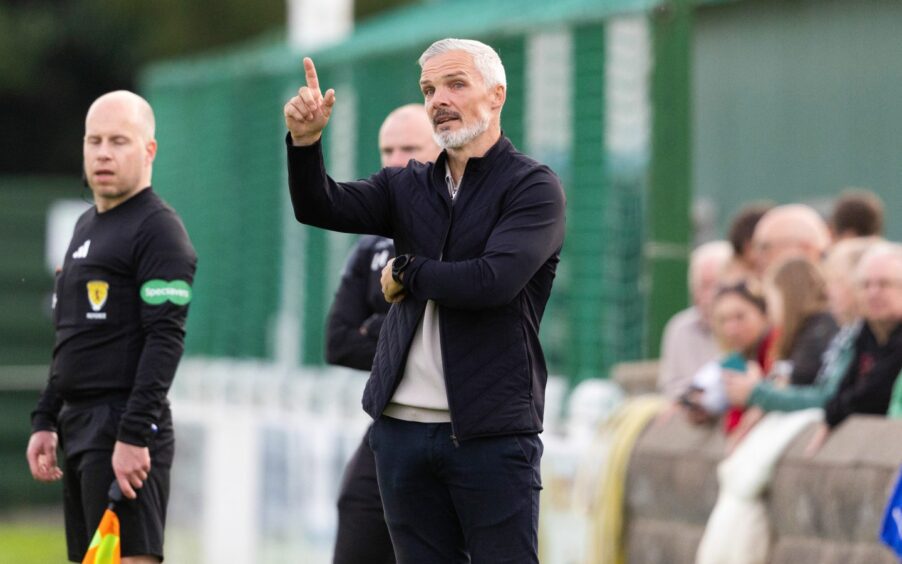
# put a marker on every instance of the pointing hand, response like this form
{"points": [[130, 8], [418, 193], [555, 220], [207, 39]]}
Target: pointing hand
{"points": [[307, 114]]}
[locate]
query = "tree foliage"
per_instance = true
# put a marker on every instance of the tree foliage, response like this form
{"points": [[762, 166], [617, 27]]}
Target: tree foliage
{"points": [[56, 56], [364, 9]]}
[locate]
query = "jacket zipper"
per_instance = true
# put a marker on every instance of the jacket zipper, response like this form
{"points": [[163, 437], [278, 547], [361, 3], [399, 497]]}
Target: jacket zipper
{"points": [[441, 333]]}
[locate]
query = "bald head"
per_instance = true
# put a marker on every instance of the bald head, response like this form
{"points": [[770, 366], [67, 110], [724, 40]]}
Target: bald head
{"points": [[130, 106], [406, 134], [119, 147], [793, 230]]}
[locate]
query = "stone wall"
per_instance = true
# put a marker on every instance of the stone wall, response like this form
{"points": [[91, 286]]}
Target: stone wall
{"points": [[824, 510]]}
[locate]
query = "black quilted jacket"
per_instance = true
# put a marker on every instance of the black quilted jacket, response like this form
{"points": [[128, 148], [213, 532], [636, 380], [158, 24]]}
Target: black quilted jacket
{"points": [[488, 261]]}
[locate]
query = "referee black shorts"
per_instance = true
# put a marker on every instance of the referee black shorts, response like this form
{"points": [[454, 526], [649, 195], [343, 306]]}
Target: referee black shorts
{"points": [[86, 482], [88, 436]]}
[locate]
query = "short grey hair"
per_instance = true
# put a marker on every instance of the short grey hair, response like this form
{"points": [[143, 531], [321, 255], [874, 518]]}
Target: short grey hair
{"points": [[486, 60], [717, 252], [882, 250]]}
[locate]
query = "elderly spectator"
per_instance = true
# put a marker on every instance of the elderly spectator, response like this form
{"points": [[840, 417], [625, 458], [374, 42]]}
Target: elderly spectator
{"points": [[866, 386], [876, 352], [787, 231], [688, 341], [839, 267]]}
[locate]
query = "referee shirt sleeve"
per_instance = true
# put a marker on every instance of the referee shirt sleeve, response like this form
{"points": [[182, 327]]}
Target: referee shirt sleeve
{"points": [[165, 263], [352, 328], [44, 417]]}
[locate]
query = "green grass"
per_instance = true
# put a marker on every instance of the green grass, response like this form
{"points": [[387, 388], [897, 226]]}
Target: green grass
{"points": [[32, 544]]}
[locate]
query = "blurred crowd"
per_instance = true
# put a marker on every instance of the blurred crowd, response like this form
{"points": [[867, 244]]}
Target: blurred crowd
{"points": [[792, 312], [796, 319]]}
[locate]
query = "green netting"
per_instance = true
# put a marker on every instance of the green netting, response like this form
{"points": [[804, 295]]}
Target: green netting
{"points": [[221, 117], [585, 206], [511, 51], [17, 488], [221, 164], [26, 331], [670, 228], [384, 82], [316, 296]]}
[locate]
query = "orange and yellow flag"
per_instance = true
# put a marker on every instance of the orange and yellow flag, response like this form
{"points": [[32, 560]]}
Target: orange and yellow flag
{"points": [[104, 547]]}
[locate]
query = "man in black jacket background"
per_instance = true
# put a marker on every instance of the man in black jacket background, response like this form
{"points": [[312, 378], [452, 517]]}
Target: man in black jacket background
{"points": [[458, 382], [867, 386], [352, 331]]}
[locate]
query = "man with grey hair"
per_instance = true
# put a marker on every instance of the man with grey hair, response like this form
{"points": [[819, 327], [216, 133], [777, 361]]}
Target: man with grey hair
{"points": [[688, 342], [874, 359], [458, 380]]}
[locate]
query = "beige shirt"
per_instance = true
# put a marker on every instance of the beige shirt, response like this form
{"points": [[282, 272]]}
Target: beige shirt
{"points": [[687, 345], [421, 395]]}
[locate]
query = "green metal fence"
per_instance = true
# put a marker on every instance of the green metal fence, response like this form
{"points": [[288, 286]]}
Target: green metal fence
{"points": [[264, 282], [639, 105], [26, 331], [794, 101]]}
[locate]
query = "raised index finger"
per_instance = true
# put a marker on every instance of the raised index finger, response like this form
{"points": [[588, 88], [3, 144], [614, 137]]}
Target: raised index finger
{"points": [[310, 71]]}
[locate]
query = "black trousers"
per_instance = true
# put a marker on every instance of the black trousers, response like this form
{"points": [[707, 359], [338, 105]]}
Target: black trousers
{"points": [[476, 502], [362, 534], [86, 481], [87, 436]]}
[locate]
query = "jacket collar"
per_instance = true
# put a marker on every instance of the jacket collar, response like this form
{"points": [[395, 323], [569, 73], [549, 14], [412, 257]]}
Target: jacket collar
{"points": [[474, 164]]}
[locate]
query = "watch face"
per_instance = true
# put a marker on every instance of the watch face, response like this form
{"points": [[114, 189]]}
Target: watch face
{"points": [[399, 265]]}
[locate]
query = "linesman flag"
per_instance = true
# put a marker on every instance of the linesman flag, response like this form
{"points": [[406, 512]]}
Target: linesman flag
{"points": [[104, 548]]}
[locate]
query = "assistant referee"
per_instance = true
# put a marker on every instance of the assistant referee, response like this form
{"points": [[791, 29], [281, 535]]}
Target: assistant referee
{"points": [[120, 304]]}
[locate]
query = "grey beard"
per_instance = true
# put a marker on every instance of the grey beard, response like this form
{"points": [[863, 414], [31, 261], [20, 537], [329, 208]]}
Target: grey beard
{"points": [[459, 138]]}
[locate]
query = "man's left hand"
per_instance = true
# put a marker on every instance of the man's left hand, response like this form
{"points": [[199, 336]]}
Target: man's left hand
{"points": [[392, 291], [131, 463], [41, 455]]}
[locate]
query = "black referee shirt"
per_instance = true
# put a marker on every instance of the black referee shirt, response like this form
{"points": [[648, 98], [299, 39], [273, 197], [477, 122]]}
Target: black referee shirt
{"points": [[120, 304]]}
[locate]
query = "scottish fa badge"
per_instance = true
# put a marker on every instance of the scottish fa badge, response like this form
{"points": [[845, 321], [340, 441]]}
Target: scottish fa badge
{"points": [[98, 291]]}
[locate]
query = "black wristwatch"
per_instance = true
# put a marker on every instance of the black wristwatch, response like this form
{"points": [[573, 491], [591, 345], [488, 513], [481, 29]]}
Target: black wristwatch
{"points": [[400, 264]]}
